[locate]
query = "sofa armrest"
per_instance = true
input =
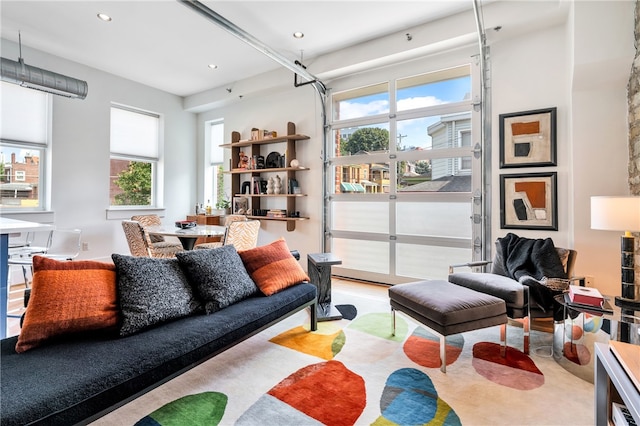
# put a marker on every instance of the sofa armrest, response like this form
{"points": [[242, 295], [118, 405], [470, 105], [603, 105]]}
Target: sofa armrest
{"points": [[470, 265]]}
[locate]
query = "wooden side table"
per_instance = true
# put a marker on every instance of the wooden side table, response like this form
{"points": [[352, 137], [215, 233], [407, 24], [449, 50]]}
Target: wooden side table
{"points": [[319, 269]]}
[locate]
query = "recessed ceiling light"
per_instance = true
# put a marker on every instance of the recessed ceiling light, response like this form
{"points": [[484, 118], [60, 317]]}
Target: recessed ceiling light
{"points": [[213, 66], [298, 34], [104, 17]]}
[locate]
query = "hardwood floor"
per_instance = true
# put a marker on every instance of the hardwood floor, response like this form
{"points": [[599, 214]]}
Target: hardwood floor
{"points": [[15, 307]]}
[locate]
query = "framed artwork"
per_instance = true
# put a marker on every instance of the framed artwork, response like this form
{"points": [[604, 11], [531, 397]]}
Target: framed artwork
{"points": [[240, 205], [529, 201], [528, 138]]}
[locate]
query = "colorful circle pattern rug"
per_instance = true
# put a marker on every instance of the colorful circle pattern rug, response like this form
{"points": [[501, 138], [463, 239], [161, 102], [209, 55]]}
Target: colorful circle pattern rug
{"points": [[347, 371]]}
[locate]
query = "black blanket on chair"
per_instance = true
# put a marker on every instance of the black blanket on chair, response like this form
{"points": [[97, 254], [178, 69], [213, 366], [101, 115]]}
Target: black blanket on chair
{"points": [[529, 261]]}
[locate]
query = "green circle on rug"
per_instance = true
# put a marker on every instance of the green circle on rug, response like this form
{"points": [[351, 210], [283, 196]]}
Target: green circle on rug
{"points": [[205, 408]]}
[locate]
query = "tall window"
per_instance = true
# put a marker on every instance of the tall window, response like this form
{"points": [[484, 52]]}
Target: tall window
{"points": [[400, 175], [24, 144], [217, 157], [135, 154]]}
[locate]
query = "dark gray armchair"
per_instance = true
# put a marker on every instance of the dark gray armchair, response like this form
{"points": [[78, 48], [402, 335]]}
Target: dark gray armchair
{"points": [[526, 274]]}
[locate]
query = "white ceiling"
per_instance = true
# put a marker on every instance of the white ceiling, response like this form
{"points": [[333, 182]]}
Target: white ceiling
{"points": [[164, 44]]}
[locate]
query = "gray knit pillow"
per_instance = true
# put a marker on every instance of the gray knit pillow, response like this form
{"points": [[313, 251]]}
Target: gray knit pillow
{"points": [[218, 276], [151, 291]]}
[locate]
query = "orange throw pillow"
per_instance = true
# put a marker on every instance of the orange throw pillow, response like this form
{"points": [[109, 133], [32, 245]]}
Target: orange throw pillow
{"points": [[68, 297], [272, 267]]}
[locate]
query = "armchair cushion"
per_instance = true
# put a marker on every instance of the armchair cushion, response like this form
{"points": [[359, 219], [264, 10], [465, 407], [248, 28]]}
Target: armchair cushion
{"points": [[505, 288]]}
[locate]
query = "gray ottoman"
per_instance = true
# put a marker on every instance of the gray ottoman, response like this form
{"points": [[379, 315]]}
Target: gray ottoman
{"points": [[446, 309]]}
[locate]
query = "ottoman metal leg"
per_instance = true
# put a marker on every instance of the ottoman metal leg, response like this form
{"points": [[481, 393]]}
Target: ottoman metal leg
{"points": [[443, 353], [393, 322]]}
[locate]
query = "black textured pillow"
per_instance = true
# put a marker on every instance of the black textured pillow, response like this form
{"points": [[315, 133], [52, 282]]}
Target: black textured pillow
{"points": [[218, 276], [151, 291]]}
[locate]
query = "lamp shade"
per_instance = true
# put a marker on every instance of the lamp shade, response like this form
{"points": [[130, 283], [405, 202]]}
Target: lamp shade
{"points": [[615, 213]]}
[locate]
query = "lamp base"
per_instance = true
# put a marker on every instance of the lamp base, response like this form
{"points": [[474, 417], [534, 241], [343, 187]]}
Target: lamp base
{"points": [[629, 289]]}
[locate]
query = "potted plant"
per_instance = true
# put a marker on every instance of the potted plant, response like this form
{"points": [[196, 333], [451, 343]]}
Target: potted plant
{"points": [[224, 205]]}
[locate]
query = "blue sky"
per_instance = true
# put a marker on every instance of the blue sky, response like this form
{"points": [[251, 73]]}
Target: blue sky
{"points": [[413, 132]]}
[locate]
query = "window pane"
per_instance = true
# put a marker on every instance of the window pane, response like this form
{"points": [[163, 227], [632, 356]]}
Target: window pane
{"points": [[367, 178], [434, 219], [372, 217], [362, 102], [361, 140], [20, 171], [217, 139], [368, 256], [130, 183], [428, 262], [436, 88], [23, 114], [434, 132], [435, 175], [134, 133]]}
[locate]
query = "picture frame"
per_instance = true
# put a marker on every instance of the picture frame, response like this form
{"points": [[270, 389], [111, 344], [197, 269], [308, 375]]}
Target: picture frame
{"points": [[241, 205], [529, 201], [528, 138]]}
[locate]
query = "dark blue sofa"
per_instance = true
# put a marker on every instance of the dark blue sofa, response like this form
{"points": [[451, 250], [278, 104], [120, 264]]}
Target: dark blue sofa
{"points": [[76, 381]]}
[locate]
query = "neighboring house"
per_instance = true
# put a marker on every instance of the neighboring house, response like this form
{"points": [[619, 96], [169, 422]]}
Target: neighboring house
{"points": [[19, 185], [452, 131]]}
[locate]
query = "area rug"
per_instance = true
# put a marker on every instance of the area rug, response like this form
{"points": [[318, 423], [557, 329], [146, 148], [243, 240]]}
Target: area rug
{"points": [[354, 372]]}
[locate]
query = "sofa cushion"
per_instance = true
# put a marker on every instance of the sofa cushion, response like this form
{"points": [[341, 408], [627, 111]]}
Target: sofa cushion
{"points": [[68, 297], [273, 267], [151, 291], [218, 276]]}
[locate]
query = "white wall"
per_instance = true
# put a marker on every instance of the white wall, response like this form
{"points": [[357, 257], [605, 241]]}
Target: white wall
{"points": [[80, 156], [569, 63], [300, 106], [533, 65], [602, 57]]}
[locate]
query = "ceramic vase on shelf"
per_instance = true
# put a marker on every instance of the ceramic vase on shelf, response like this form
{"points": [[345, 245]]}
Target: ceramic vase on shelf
{"points": [[277, 187], [270, 186]]}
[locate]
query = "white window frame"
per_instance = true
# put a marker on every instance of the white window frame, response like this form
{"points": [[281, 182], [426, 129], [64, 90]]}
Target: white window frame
{"points": [[15, 103], [155, 158], [214, 154]]}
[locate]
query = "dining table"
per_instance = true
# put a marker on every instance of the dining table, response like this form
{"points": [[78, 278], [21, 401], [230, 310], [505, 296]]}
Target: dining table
{"points": [[187, 236], [8, 227]]}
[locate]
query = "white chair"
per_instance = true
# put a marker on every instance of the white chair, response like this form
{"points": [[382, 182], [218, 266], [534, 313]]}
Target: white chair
{"points": [[62, 244], [22, 246]]}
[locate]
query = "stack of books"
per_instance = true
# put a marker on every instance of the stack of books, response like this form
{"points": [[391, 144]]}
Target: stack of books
{"points": [[277, 213], [588, 296]]}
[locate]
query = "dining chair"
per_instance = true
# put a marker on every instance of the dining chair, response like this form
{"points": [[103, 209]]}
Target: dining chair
{"points": [[150, 220], [228, 220], [140, 243], [243, 235]]}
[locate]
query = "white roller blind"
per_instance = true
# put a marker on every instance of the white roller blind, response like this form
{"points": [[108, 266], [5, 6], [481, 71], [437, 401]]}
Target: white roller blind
{"points": [[134, 133], [217, 139], [23, 114]]}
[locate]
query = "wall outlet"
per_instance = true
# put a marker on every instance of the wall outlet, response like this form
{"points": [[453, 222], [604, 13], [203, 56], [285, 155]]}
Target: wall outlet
{"points": [[85, 246], [589, 281]]}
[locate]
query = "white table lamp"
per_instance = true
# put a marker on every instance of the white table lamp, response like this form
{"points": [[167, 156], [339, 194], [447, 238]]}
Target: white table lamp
{"points": [[620, 214]]}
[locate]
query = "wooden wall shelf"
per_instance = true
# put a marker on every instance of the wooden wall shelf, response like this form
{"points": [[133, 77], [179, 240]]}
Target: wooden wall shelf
{"points": [[253, 147]]}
